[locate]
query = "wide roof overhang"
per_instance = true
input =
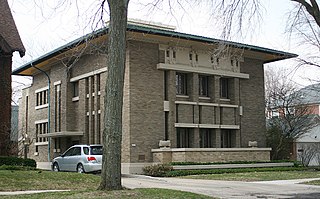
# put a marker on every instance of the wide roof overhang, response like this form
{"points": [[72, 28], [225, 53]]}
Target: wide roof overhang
{"points": [[266, 55]]}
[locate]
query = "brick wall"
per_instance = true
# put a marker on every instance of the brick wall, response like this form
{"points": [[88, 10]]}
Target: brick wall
{"points": [[146, 100], [253, 123], [210, 155]]}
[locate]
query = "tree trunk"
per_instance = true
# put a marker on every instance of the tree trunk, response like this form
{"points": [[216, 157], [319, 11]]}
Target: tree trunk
{"points": [[5, 103], [112, 133]]}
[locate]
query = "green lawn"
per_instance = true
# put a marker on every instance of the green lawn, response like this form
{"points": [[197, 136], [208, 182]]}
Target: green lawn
{"points": [[259, 176], [82, 186], [126, 194]]}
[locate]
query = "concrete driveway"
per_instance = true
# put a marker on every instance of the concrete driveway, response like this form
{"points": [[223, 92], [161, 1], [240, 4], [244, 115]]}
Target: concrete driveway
{"points": [[228, 189]]}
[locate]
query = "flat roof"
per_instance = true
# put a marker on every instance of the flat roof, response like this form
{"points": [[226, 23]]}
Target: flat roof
{"points": [[276, 54]]}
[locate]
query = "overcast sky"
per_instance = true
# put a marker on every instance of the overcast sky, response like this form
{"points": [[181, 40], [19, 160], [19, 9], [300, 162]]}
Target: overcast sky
{"points": [[44, 27]]}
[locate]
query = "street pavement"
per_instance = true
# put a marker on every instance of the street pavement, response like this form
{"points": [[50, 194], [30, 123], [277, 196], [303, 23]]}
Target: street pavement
{"points": [[229, 189]]}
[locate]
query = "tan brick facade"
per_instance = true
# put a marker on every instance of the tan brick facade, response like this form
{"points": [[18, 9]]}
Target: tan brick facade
{"points": [[174, 90]]}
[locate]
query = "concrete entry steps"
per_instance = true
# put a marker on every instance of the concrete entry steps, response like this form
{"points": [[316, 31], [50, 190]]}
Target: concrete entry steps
{"points": [[232, 166]]}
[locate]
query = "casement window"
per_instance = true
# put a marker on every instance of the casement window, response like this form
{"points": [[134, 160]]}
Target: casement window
{"points": [[41, 129], [206, 138], [75, 89], [42, 97], [203, 86], [98, 83], [181, 84], [183, 138], [57, 108], [224, 88], [226, 138]]}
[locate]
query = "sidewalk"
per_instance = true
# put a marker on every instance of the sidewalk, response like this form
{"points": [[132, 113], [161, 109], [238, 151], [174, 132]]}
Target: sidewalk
{"points": [[12, 193], [216, 188]]}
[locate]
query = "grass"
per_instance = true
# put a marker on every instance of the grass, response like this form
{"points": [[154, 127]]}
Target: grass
{"points": [[81, 186], [41, 180], [123, 194], [314, 182], [259, 176]]}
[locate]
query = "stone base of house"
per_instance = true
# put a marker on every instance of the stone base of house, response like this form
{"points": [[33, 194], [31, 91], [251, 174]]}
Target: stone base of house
{"points": [[133, 168], [44, 165], [167, 155]]}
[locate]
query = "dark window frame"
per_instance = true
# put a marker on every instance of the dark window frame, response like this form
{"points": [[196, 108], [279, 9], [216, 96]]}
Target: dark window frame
{"points": [[75, 88], [181, 84], [224, 88], [203, 86], [183, 138], [206, 138]]}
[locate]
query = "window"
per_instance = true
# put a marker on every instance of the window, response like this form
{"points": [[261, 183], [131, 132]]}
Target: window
{"points": [[86, 150], [183, 138], [181, 84], [75, 89], [57, 108], [224, 88], [41, 129], [77, 151], [190, 56], [92, 85], [168, 53], [69, 152], [98, 82], [203, 86], [206, 138], [226, 138], [41, 98]]}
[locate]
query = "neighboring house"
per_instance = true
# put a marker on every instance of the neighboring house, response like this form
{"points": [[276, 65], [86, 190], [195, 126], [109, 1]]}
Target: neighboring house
{"points": [[9, 42], [309, 142], [183, 99], [14, 129], [14, 123]]}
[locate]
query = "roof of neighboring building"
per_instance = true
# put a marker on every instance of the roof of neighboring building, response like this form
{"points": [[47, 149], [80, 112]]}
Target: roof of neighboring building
{"points": [[272, 55], [310, 94], [10, 40]]}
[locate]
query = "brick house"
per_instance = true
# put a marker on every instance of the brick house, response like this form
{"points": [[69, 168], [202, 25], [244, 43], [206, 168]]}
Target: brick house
{"points": [[9, 42], [203, 97], [309, 142]]}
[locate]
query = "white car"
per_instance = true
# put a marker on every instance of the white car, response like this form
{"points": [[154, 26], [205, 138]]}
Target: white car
{"points": [[79, 158]]}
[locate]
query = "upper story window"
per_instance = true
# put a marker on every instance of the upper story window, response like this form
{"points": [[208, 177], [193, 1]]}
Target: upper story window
{"points": [[224, 88], [42, 97], [75, 89], [181, 84], [203, 86]]}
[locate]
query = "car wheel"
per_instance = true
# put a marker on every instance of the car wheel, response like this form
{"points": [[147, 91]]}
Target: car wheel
{"points": [[55, 167], [80, 168]]}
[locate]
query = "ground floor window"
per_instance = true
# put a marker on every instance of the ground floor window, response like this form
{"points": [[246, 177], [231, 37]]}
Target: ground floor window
{"points": [[184, 136], [227, 138], [41, 129], [206, 138]]}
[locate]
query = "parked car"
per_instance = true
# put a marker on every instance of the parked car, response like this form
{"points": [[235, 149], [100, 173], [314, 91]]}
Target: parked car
{"points": [[79, 158]]}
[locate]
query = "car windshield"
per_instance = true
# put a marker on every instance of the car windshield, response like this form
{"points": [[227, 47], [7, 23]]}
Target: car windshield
{"points": [[96, 150]]}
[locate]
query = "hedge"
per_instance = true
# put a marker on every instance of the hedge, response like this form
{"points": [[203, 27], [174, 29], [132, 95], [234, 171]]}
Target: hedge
{"points": [[14, 161], [232, 162], [175, 173]]}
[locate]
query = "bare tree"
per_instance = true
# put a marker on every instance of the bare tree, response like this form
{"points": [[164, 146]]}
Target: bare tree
{"points": [[112, 133], [288, 114], [304, 23], [306, 152]]}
